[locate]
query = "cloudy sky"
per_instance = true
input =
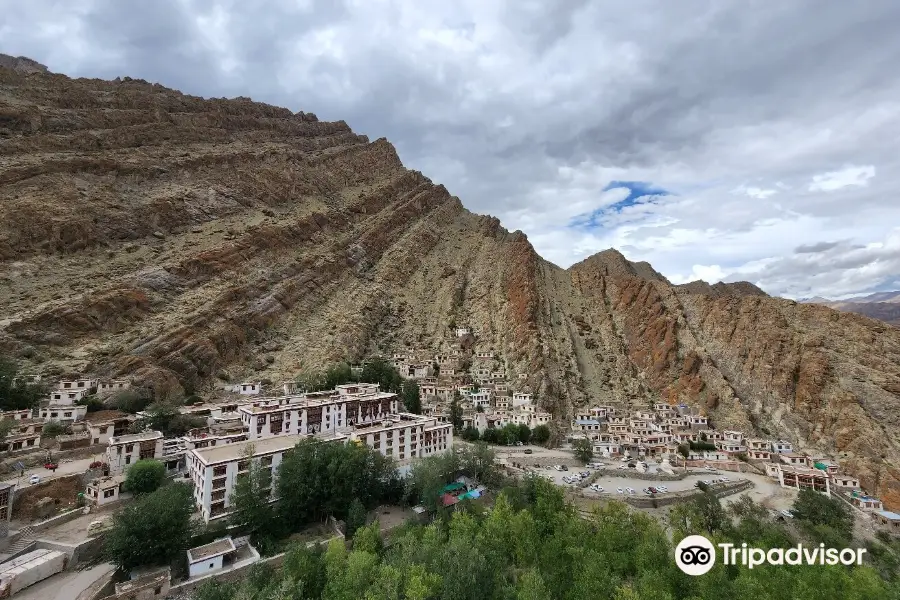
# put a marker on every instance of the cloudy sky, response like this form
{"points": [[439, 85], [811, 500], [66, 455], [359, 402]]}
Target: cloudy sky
{"points": [[735, 140]]}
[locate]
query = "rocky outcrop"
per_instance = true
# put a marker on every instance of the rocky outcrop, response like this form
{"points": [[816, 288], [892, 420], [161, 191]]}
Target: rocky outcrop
{"points": [[182, 240]]}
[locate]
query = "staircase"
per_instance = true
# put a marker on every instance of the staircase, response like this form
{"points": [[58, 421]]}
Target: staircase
{"points": [[24, 542]]}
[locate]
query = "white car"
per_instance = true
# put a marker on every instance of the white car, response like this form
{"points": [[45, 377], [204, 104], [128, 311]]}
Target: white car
{"points": [[620, 490], [724, 479], [597, 488], [662, 488], [629, 490], [557, 467], [34, 479], [788, 514]]}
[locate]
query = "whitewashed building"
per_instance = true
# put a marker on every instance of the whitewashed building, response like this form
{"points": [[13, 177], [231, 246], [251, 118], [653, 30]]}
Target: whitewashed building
{"points": [[126, 450]]}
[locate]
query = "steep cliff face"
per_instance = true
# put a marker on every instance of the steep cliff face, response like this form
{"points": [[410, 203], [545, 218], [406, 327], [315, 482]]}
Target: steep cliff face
{"points": [[182, 241]]}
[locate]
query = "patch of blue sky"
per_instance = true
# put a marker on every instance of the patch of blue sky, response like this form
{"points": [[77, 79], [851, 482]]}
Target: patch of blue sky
{"points": [[639, 193]]}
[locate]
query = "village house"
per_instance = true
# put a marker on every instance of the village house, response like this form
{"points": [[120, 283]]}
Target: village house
{"points": [[789, 458], [887, 519], [66, 397], [484, 355], [699, 421], [83, 385], [801, 477], [586, 425], [289, 388], [782, 447], [711, 435], [126, 450], [247, 388], [644, 415], [480, 398], [845, 482], [219, 555], [63, 413], [462, 331], [523, 375], [104, 424], [521, 398], [758, 444], [761, 455], [733, 437], [105, 490], [112, 386], [684, 437], [864, 502], [16, 415]]}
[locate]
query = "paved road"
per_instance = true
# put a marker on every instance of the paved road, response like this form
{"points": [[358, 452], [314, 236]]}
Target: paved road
{"points": [[64, 586]]}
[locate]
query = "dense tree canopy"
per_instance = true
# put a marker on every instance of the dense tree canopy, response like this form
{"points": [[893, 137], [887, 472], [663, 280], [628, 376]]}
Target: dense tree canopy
{"points": [[145, 476], [412, 397], [318, 479], [534, 546], [583, 450], [16, 394], [153, 530]]}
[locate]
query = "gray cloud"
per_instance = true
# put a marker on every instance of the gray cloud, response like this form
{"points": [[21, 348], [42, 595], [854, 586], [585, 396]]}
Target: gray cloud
{"points": [[814, 248], [527, 110]]}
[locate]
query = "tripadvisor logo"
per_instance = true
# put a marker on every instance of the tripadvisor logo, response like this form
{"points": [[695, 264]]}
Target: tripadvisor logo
{"points": [[696, 555]]}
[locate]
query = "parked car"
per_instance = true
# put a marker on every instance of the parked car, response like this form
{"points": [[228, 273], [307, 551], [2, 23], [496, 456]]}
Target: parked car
{"points": [[51, 466], [709, 469], [631, 465], [648, 492], [565, 468], [662, 488], [620, 490], [558, 467], [584, 474], [34, 479], [787, 514], [724, 479], [518, 443], [707, 482], [653, 490], [630, 490], [528, 451], [596, 487]]}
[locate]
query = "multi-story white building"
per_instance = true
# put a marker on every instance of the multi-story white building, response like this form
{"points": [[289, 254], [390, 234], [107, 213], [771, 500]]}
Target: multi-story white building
{"points": [[125, 450], [406, 436], [214, 470], [318, 412]]}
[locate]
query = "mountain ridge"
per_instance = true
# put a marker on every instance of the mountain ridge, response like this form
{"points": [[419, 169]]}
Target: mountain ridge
{"points": [[185, 241]]}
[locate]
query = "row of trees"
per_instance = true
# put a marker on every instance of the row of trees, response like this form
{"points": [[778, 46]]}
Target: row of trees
{"points": [[508, 434], [533, 545]]}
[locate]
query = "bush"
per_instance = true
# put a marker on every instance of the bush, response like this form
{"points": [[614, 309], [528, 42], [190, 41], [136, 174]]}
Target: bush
{"points": [[52, 429], [540, 434], [145, 476], [131, 400], [93, 403]]}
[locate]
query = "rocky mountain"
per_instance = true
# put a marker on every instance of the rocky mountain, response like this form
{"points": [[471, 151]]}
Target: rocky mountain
{"points": [[884, 306], [183, 241]]}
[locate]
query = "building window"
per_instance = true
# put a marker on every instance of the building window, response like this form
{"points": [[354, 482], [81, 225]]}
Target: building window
{"points": [[128, 460], [109, 493]]}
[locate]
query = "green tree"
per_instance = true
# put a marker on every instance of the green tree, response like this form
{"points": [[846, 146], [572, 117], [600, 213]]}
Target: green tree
{"points": [[251, 503], [319, 479], [93, 403], [356, 518], [312, 381], [456, 412], [145, 476], [15, 394], [132, 400], [540, 434], [51, 429], [470, 434], [6, 425], [382, 372], [583, 450], [523, 434], [338, 374], [153, 530], [819, 513], [412, 398], [684, 450]]}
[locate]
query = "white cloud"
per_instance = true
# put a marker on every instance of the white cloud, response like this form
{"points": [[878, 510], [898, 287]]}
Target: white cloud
{"points": [[848, 176]]}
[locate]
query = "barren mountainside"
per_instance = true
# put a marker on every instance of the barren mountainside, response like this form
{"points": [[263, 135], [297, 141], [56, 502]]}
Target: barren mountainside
{"points": [[884, 306], [179, 240]]}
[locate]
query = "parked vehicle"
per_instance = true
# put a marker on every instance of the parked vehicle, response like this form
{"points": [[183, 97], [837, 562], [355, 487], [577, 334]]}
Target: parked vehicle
{"points": [[528, 451], [584, 474], [653, 490], [787, 514], [620, 490], [34, 479], [558, 467], [565, 468], [662, 488], [630, 490], [648, 492], [724, 479]]}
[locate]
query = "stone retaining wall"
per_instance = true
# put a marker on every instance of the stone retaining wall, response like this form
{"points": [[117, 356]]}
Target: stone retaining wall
{"points": [[686, 496]]}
